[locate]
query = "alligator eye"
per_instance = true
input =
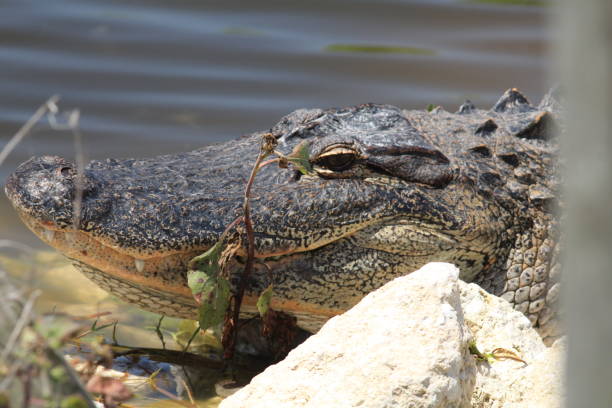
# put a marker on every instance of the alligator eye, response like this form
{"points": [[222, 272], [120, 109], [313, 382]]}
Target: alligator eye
{"points": [[337, 159]]}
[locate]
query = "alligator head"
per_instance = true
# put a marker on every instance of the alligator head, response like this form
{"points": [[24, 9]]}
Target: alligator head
{"points": [[390, 191]]}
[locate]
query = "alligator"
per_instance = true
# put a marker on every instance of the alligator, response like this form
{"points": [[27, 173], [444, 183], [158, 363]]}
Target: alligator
{"points": [[390, 190]]}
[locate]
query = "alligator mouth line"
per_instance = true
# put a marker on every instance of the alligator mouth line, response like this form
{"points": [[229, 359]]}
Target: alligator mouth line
{"points": [[163, 274], [150, 272]]}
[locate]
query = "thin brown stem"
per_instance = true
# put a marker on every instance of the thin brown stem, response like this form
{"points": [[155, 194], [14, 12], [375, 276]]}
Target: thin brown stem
{"points": [[229, 353], [263, 164], [229, 227]]}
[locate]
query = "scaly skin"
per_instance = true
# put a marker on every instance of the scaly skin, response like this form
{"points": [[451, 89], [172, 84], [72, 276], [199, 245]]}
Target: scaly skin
{"points": [[391, 191]]}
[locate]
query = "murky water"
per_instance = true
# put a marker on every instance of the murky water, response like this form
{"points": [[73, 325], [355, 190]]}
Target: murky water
{"points": [[152, 76]]}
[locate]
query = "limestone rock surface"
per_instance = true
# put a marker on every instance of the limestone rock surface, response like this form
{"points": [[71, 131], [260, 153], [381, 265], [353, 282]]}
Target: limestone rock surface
{"points": [[404, 345], [509, 383]]}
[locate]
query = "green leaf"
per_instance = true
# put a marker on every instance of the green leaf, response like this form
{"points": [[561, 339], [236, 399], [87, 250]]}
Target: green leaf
{"points": [[300, 157], [214, 302], [200, 282], [263, 303], [58, 375], [488, 357], [210, 290], [204, 268], [209, 260], [73, 401], [430, 107], [202, 341]]}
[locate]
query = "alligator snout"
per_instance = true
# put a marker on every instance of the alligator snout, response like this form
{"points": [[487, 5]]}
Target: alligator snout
{"points": [[46, 188]]}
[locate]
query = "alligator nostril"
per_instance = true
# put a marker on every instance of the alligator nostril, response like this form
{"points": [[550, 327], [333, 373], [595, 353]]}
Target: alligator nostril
{"points": [[65, 171]]}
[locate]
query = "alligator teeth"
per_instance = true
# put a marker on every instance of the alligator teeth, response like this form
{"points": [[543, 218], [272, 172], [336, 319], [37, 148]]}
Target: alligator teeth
{"points": [[139, 264], [48, 234]]}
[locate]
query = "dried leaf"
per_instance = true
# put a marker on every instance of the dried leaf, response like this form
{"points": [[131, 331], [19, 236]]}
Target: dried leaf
{"points": [[228, 253], [268, 143], [505, 354], [114, 391]]}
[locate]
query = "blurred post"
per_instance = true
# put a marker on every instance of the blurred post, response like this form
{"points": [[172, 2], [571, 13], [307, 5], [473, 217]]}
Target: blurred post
{"points": [[584, 42]]}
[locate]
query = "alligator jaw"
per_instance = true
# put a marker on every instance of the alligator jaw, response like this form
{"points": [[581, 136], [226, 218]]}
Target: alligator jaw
{"points": [[156, 283], [82, 247], [140, 282]]}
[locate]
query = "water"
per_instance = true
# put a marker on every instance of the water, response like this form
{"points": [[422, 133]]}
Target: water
{"points": [[152, 76]]}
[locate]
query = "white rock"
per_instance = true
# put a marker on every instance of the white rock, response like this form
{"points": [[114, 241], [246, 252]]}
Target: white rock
{"points": [[509, 383], [404, 345], [494, 323]]}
